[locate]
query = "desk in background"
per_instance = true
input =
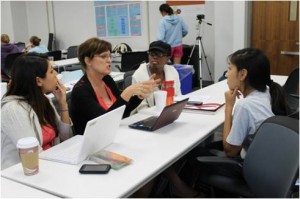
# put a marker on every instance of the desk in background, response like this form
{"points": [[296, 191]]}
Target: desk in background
{"points": [[152, 153], [64, 63], [11, 189]]}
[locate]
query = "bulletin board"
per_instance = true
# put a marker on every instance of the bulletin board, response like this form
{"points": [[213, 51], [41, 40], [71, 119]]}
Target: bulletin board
{"points": [[177, 3], [118, 18]]}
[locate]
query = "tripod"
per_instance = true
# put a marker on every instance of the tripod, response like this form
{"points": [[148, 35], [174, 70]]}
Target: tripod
{"points": [[201, 49]]}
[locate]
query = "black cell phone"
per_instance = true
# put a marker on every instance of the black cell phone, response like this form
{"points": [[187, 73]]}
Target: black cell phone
{"points": [[95, 168], [197, 103]]}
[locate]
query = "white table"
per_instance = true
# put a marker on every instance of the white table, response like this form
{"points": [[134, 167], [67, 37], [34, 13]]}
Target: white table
{"points": [[151, 153], [66, 62], [11, 189]]}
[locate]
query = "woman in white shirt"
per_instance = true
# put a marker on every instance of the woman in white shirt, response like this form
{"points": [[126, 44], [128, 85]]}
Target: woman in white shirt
{"points": [[27, 112]]}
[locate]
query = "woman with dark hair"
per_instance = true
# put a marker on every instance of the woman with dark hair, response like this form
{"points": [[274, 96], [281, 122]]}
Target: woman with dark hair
{"points": [[259, 98], [27, 112], [172, 29], [96, 92], [35, 46], [249, 76]]}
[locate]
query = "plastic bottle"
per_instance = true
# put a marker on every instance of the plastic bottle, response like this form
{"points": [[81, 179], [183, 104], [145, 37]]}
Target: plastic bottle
{"points": [[169, 87]]}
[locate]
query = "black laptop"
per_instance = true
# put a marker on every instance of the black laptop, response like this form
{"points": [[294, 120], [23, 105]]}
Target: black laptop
{"points": [[168, 115]]}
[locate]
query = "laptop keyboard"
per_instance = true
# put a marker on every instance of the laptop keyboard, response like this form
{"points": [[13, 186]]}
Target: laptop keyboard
{"points": [[65, 152], [146, 123]]}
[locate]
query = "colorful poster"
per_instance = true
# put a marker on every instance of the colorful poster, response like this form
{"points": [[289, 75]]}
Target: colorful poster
{"points": [[118, 18]]}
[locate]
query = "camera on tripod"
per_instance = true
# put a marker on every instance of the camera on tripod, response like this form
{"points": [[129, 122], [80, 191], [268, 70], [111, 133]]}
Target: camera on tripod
{"points": [[200, 17]]}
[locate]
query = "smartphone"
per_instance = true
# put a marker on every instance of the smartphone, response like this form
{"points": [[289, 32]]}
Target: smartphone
{"points": [[195, 103], [95, 168]]}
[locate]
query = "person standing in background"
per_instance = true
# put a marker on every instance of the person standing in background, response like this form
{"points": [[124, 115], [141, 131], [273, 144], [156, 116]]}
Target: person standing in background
{"points": [[172, 29], [6, 48], [35, 46]]}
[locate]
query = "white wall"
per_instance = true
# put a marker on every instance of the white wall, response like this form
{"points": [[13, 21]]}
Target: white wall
{"points": [[7, 20], [14, 23], [74, 21]]}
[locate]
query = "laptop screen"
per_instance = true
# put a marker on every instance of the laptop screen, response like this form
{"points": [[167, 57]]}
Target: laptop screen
{"points": [[20, 46]]}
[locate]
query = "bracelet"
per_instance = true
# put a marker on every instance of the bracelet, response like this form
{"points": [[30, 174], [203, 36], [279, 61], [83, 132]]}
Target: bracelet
{"points": [[63, 110]]}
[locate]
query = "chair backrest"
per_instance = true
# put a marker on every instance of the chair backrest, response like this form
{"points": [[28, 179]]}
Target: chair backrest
{"points": [[128, 78], [50, 41], [291, 85], [132, 60], [72, 52], [272, 162], [9, 62], [55, 54]]}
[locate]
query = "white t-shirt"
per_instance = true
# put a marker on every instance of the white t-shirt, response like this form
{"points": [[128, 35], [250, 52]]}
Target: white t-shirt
{"points": [[248, 114]]}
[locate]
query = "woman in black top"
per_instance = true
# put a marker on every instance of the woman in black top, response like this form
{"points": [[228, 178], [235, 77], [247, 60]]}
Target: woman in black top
{"points": [[96, 92]]}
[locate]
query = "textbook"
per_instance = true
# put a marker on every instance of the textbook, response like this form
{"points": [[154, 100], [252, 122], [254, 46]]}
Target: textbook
{"points": [[117, 161]]}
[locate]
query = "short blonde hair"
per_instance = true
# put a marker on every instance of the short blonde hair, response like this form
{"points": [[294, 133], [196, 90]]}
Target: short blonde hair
{"points": [[4, 38]]}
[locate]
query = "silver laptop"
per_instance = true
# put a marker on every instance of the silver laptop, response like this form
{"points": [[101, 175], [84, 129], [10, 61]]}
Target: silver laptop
{"points": [[99, 133]]}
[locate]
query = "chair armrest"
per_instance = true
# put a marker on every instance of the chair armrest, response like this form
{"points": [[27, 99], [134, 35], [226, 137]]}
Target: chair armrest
{"points": [[220, 161]]}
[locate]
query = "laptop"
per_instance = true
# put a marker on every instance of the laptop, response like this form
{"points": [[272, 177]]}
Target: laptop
{"points": [[99, 133], [168, 115], [20, 46]]}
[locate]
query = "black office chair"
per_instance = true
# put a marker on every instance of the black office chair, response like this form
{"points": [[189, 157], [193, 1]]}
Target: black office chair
{"points": [[271, 166], [72, 52], [291, 88], [127, 79], [291, 85], [132, 60], [55, 54], [50, 41], [6, 71]]}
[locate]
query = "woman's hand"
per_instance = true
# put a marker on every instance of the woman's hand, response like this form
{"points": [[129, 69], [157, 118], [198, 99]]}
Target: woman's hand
{"points": [[230, 97], [60, 93], [27, 47], [141, 89]]}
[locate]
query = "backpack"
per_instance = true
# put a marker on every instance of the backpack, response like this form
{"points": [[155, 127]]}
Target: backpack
{"points": [[122, 48]]}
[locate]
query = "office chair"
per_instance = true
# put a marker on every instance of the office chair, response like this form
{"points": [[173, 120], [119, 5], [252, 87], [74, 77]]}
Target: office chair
{"points": [[132, 60], [291, 88], [55, 54], [50, 41], [6, 71], [72, 52], [291, 85], [271, 165], [128, 78]]}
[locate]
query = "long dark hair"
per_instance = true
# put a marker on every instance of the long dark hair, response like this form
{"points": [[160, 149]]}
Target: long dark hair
{"points": [[258, 66], [166, 8], [24, 72]]}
